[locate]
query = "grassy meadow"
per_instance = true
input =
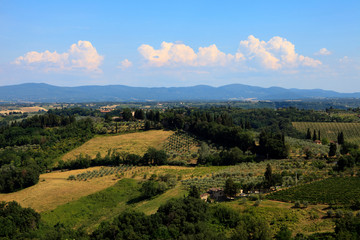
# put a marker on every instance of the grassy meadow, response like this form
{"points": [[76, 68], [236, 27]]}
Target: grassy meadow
{"points": [[300, 220], [87, 212]]}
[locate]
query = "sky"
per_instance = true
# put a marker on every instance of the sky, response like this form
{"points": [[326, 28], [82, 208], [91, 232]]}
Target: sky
{"points": [[291, 44]]}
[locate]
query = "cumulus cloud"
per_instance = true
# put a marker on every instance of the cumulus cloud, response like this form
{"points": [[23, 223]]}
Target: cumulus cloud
{"points": [[179, 54], [125, 64], [276, 54], [323, 52], [81, 56]]}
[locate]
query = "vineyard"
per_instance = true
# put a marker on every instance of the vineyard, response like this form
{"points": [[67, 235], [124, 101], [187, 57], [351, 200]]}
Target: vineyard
{"points": [[336, 190], [180, 143], [252, 174], [330, 130], [301, 146], [120, 171]]}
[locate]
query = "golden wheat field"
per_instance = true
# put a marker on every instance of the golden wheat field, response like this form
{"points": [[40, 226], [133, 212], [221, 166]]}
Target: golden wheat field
{"points": [[136, 143], [54, 189]]}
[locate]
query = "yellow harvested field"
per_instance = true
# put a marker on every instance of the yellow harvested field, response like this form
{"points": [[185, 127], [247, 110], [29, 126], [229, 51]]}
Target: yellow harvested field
{"points": [[54, 189], [136, 143], [24, 110], [32, 109]]}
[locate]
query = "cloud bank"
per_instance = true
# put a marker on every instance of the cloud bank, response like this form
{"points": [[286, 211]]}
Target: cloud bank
{"points": [[276, 54], [81, 56]]}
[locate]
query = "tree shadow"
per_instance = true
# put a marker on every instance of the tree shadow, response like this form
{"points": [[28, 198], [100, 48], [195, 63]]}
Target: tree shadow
{"points": [[136, 200]]}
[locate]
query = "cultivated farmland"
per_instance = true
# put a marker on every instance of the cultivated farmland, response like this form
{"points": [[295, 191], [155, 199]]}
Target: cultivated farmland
{"points": [[136, 143], [330, 130], [337, 190]]}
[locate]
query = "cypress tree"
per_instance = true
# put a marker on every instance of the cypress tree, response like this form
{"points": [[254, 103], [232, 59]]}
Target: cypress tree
{"points": [[341, 138], [314, 136], [308, 134], [332, 151]]}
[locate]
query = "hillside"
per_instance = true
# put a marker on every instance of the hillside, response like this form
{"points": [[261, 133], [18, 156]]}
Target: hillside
{"points": [[40, 92]]}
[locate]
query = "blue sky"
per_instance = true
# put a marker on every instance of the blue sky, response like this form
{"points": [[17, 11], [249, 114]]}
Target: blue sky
{"points": [[292, 44]]}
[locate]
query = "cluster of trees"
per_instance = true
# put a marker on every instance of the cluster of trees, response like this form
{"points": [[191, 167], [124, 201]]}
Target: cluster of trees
{"points": [[216, 125], [185, 218], [315, 136], [272, 145], [348, 160], [225, 157], [152, 157], [224, 135], [16, 178], [27, 148], [15, 220], [156, 186]]}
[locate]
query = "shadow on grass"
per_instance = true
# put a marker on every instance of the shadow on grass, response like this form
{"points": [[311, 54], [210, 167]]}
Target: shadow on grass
{"points": [[136, 200]]}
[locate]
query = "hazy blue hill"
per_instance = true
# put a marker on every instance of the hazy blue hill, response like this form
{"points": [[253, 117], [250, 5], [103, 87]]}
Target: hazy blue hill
{"points": [[40, 92]]}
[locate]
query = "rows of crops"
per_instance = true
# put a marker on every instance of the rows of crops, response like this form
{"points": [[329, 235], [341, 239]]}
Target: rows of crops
{"points": [[179, 143], [105, 171], [244, 173], [330, 130], [219, 182], [300, 146], [251, 174], [336, 190]]}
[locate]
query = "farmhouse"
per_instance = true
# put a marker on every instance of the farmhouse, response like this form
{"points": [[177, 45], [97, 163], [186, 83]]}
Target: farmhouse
{"points": [[217, 194], [205, 196]]}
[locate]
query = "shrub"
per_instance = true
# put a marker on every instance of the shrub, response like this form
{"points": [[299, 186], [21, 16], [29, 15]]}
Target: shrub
{"points": [[297, 204], [339, 213], [305, 204], [71, 177], [257, 203], [330, 213], [253, 197]]}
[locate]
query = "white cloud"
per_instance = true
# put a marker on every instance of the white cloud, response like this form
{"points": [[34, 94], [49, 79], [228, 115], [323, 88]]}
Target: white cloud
{"points": [[179, 54], [81, 56], [344, 59], [125, 64], [168, 54], [323, 52], [276, 54], [212, 56]]}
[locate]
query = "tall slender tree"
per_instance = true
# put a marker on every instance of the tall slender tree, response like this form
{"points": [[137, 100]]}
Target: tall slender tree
{"points": [[340, 138], [308, 134], [314, 136]]}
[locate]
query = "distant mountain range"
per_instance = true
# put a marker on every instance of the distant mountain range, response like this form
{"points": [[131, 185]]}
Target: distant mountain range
{"points": [[40, 92]]}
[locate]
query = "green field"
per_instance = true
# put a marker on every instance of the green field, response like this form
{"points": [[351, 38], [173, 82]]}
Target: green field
{"points": [[278, 214], [338, 190], [89, 211], [330, 130]]}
